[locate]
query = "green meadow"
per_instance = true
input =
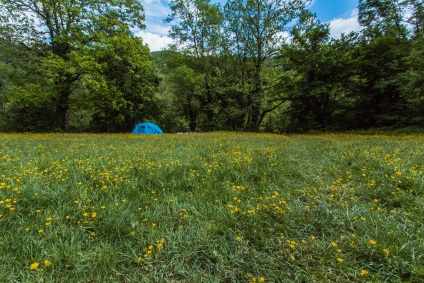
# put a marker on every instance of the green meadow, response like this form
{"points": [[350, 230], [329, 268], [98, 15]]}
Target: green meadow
{"points": [[215, 207]]}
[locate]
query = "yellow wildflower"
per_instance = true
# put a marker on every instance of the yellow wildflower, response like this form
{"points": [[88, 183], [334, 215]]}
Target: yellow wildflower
{"points": [[47, 263], [34, 265]]}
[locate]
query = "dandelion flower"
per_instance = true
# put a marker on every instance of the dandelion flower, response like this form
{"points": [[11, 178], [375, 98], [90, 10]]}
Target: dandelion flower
{"points": [[34, 265], [340, 260], [47, 263], [239, 239], [364, 272], [372, 242], [334, 244], [386, 251]]}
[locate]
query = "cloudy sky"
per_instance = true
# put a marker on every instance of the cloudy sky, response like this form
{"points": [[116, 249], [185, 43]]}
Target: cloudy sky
{"points": [[341, 14]]}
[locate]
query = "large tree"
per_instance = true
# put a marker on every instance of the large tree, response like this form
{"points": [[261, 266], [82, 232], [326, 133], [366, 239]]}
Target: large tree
{"points": [[319, 74], [68, 33], [256, 29], [384, 46], [197, 31]]}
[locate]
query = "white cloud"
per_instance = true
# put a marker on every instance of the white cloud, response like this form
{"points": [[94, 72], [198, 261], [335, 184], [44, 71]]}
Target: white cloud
{"points": [[155, 41], [339, 26], [160, 29], [156, 9], [155, 34]]}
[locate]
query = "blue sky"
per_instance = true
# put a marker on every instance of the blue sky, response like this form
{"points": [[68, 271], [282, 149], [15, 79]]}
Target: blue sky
{"points": [[341, 14], [328, 10]]}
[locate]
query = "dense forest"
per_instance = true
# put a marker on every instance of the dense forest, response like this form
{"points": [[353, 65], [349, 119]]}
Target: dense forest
{"points": [[253, 65]]}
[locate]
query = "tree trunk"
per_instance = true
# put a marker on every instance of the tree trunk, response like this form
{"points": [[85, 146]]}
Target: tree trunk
{"points": [[193, 121], [256, 100], [62, 108]]}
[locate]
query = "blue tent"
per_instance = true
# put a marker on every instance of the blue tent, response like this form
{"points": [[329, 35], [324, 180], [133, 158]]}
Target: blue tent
{"points": [[147, 128]]}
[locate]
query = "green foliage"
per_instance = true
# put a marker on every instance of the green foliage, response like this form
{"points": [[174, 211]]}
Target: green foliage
{"points": [[320, 77], [231, 67], [130, 85], [70, 39], [413, 81], [197, 28], [187, 87], [380, 62]]}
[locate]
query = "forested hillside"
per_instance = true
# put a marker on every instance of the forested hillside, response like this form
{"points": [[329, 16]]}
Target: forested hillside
{"points": [[255, 65]]}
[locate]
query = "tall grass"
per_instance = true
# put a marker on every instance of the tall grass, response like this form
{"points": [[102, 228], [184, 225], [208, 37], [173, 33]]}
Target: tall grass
{"points": [[218, 207]]}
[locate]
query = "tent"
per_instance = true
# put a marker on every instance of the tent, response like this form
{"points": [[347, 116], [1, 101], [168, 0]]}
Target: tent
{"points": [[147, 128]]}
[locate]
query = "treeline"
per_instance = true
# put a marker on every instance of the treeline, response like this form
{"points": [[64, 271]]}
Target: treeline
{"points": [[266, 65]]}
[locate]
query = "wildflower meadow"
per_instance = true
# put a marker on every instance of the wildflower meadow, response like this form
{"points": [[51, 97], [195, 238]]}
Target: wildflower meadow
{"points": [[212, 207]]}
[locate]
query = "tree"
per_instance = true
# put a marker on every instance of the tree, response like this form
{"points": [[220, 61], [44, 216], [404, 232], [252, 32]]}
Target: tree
{"points": [[415, 15], [68, 32], [381, 17], [256, 30], [188, 87], [127, 95], [381, 59], [22, 97], [197, 27], [197, 32], [412, 81], [318, 75]]}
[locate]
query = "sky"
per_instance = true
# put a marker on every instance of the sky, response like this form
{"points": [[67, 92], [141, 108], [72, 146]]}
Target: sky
{"points": [[341, 14]]}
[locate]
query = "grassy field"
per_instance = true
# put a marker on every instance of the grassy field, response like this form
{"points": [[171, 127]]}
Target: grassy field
{"points": [[218, 207]]}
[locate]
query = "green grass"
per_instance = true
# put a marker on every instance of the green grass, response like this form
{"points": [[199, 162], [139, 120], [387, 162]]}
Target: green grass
{"points": [[218, 207]]}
